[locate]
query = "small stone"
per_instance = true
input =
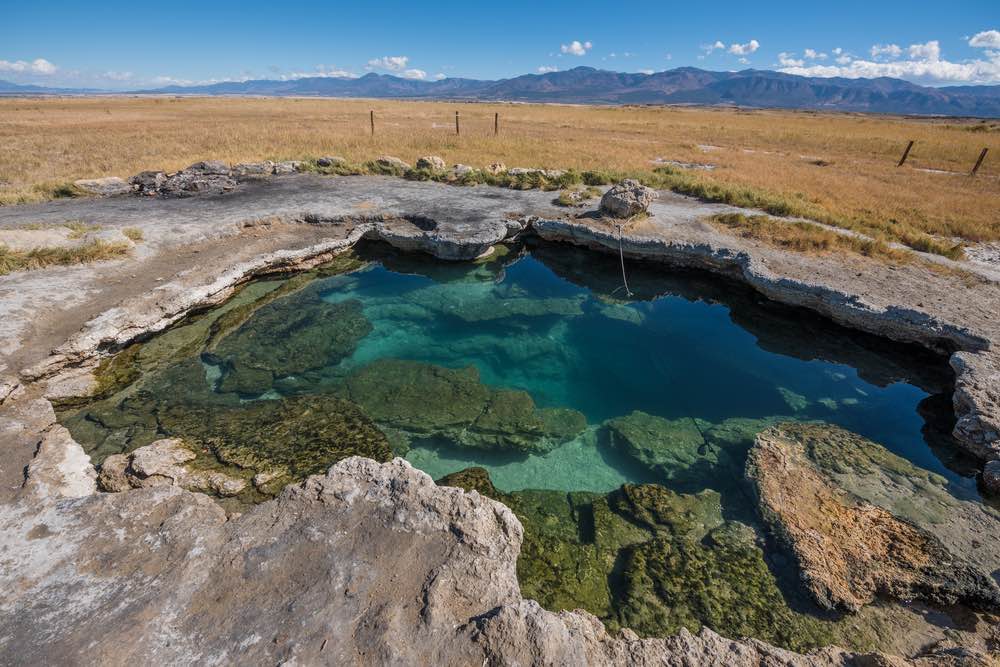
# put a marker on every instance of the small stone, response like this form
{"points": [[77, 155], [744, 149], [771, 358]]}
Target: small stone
{"points": [[627, 199], [112, 477], [330, 161], [104, 187], [253, 170], [496, 168], [991, 477], [461, 169], [160, 458], [430, 162]]}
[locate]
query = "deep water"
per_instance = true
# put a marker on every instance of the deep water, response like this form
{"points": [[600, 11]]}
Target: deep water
{"points": [[535, 366]]}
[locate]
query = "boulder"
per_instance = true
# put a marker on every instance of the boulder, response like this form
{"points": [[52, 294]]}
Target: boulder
{"points": [[431, 163], [148, 182], [849, 551], [496, 168], [389, 164], [627, 199], [104, 187], [991, 477], [287, 167], [162, 464]]}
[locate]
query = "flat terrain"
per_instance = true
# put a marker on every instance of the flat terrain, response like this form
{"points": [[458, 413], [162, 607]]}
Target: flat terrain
{"points": [[836, 168]]}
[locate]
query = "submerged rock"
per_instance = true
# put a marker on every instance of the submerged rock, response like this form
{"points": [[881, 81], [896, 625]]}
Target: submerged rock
{"points": [[162, 463], [428, 400], [627, 199], [675, 449], [851, 551], [650, 560], [288, 337]]}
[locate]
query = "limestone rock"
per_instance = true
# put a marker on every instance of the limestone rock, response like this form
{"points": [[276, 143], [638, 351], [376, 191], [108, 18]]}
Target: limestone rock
{"points": [[460, 170], [431, 163], [104, 187], [162, 464], [627, 199], [209, 168], [850, 551], [496, 168], [991, 477], [977, 402]]}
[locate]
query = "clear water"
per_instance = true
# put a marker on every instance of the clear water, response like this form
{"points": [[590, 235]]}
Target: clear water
{"points": [[675, 354]]}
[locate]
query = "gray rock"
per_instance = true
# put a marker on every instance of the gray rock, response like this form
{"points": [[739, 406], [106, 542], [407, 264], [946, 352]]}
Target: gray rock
{"points": [[431, 162], [105, 187], [461, 169], [148, 182], [991, 477], [209, 168], [627, 199], [391, 163], [287, 167], [330, 161], [245, 171]]}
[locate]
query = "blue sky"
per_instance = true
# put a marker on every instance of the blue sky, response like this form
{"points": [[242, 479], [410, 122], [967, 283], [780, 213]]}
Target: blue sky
{"points": [[131, 45]]}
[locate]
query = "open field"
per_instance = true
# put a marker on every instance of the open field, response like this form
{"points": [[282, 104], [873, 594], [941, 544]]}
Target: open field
{"points": [[835, 168]]}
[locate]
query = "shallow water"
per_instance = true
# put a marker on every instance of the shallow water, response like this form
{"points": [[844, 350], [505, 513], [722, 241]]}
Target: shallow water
{"points": [[531, 364]]}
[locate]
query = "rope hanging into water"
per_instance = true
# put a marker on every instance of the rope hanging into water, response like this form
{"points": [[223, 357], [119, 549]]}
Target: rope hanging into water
{"points": [[621, 256]]}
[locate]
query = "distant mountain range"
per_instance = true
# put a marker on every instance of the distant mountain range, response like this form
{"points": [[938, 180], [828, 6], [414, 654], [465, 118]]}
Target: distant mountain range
{"points": [[586, 85]]}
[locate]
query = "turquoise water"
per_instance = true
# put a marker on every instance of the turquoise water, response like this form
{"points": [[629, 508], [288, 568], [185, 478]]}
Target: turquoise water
{"points": [[675, 350]]}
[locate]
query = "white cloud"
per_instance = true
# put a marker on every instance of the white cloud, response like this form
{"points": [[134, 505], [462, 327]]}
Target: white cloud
{"points": [[789, 60], [392, 63], [923, 63], [930, 51], [837, 51], [988, 39], [576, 48], [647, 71], [440, 75], [36, 66], [418, 74], [886, 50], [545, 69], [669, 56], [744, 49], [813, 54], [321, 71], [708, 48], [117, 76]]}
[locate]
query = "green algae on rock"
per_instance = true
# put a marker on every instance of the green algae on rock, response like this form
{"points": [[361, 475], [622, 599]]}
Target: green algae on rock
{"points": [[286, 338], [428, 400], [649, 559]]}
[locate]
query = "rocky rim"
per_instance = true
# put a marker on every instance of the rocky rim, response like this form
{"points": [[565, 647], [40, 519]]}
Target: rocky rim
{"points": [[418, 573]]}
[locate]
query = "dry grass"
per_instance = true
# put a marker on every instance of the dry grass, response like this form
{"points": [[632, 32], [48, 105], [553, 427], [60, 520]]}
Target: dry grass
{"points": [[836, 168], [38, 258], [134, 234]]}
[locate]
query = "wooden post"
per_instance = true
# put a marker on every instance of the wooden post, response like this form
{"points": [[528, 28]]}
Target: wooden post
{"points": [[906, 154], [456, 124], [496, 124], [373, 121], [979, 162]]}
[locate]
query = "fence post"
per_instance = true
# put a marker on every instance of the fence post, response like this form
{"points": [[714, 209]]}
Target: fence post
{"points": [[906, 154], [496, 124], [979, 162], [373, 121], [456, 124]]}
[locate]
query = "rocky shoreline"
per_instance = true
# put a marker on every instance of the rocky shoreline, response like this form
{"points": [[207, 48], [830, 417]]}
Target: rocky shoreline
{"points": [[466, 605]]}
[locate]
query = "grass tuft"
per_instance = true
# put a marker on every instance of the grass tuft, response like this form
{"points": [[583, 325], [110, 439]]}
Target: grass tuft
{"points": [[134, 234], [38, 258]]}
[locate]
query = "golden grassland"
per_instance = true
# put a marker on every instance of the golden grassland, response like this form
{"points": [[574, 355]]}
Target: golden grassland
{"points": [[834, 168]]}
